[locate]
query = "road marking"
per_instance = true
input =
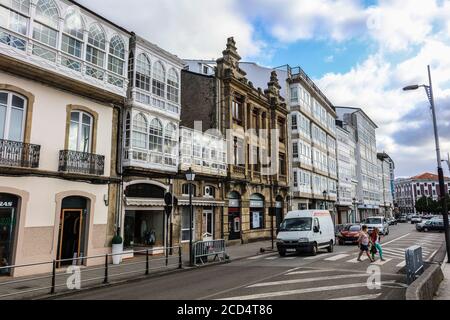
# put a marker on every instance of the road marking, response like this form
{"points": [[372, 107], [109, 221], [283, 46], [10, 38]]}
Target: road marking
{"points": [[290, 258], [401, 264], [362, 297], [355, 260], [308, 272], [319, 256], [338, 257], [284, 282], [380, 263], [404, 236], [431, 256], [393, 253], [302, 291], [271, 258]]}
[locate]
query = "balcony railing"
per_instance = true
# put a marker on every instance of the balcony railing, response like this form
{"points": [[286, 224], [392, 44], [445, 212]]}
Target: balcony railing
{"points": [[239, 170], [19, 154], [81, 162]]}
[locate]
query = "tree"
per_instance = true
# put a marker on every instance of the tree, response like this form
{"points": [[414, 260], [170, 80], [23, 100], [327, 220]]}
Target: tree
{"points": [[424, 204]]}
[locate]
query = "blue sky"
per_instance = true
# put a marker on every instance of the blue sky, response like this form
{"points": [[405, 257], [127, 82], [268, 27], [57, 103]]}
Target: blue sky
{"points": [[359, 52]]}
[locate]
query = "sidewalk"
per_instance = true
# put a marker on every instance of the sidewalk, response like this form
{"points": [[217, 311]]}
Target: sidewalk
{"points": [[39, 285], [444, 289]]}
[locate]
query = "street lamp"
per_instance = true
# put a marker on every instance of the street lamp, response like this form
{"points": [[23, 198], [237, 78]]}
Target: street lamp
{"points": [[429, 92], [190, 176], [355, 213]]}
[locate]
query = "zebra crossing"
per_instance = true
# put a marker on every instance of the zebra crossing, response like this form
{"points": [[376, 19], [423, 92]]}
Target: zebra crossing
{"points": [[393, 252], [327, 284]]}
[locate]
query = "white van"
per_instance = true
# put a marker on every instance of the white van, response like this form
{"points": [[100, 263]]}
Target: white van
{"points": [[306, 230]]}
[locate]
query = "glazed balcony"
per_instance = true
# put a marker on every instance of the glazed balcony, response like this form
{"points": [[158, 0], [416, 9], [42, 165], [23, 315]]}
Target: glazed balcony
{"points": [[81, 163], [19, 154]]}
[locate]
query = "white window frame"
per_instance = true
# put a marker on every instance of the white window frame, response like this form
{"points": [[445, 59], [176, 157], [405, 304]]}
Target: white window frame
{"points": [[80, 128], [9, 108]]}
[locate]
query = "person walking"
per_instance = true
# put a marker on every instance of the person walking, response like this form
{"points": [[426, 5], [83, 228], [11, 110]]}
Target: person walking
{"points": [[363, 242], [376, 245]]}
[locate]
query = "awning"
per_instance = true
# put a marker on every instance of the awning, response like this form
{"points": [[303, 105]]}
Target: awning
{"points": [[200, 202], [143, 202]]}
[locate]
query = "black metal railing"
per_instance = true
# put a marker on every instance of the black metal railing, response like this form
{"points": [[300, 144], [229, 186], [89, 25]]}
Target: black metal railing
{"points": [[19, 154], [81, 162]]}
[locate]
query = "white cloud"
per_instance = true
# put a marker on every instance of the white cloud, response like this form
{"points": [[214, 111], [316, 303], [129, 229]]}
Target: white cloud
{"points": [[186, 28]]}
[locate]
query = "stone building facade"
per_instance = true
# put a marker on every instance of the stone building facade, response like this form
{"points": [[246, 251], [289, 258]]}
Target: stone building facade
{"points": [[246, 116]]}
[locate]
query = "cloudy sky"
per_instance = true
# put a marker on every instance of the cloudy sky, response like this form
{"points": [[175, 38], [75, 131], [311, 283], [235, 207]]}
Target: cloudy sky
{"points": [[360, 53]]}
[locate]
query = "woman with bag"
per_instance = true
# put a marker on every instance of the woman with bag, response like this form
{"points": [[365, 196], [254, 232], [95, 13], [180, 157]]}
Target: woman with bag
{"points": [[376, 246]]}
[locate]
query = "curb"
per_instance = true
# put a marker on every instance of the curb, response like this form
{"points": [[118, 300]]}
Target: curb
{"points": [[426, 286]]}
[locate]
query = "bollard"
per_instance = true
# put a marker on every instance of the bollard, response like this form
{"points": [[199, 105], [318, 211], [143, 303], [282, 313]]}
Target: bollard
{"points": [[105, 281], [146, 264], [180, 261], [167, 257], [52, 291]]}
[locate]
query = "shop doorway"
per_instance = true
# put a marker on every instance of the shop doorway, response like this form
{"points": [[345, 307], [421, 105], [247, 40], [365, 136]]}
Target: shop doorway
{"points": [[279, 211], [8, 225], [234, 216], [72, 231], [208, 225], [144, 229]]}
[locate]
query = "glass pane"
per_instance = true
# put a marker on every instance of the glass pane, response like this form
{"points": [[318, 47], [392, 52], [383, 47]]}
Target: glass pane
{"points": [[2, 120], [86, 139], [75, 116], [18, 102], [73, 136], [3, 98], [16, 125], [86, 119]]}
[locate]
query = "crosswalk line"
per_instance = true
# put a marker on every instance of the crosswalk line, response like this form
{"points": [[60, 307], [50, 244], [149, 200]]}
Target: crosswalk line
{"points": [[290, 258], [337, 257], [294, 281], [308, 272], [302, 291], [271, 258], [318, 256], [355, 260], [401, 264], [255, 257], [431, 256], [356, 298], [380, 263]]}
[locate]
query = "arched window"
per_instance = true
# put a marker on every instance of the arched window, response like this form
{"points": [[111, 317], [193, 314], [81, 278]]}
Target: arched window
{"points": [[80, 133], [143, 72], [170, 139], [116, 59], [15, 21], [45, 29], [72, 40], [12, 116], [95, 51], [172, 86], [140, 132], [156, 136], [159, 79]]}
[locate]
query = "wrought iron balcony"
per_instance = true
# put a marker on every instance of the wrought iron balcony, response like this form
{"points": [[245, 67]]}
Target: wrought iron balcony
{"points": [[19, 154], [81, 162]]}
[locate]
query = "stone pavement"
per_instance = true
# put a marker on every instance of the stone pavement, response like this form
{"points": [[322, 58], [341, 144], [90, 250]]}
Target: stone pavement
{"points": [[39, 285], [444, 289]]}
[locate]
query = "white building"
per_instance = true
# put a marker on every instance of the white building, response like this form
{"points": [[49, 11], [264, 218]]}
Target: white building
{"points": [[385, 171], [368, 190], [62, 87]]}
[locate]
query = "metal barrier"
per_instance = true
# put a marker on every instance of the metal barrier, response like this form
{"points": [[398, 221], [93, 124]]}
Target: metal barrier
{"points": [[205, 249], [97, 274], [414, 263]]}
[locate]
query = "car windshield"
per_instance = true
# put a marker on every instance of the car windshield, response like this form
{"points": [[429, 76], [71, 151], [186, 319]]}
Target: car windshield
{"points": [[353, 228], [373, 221], [296, 224]]}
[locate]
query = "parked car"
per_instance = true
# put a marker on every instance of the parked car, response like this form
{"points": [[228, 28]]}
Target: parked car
{"points": [[403, 218], [416, 219], [306, 230], [409, 216], [377, 222], [431, 225], [338, 228], [350, 234], [392, 221]]}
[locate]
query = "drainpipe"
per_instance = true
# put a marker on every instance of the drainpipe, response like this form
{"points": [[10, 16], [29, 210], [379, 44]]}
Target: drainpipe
{"points": [[119, 169]]}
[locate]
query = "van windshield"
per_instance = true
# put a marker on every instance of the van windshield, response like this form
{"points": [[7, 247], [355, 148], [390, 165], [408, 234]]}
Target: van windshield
{"points": [[373, 221], [296, 224]]}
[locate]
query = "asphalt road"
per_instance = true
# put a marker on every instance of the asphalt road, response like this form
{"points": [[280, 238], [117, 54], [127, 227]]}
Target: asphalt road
{"points": [[298, 277]]}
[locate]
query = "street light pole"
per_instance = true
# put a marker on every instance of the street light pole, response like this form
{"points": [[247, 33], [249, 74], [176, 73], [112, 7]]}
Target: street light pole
{"points": [[190, 176], [442, 193]]}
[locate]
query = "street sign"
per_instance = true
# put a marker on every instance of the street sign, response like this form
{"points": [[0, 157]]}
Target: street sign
{"points": [[168, 199], [168, 210]]}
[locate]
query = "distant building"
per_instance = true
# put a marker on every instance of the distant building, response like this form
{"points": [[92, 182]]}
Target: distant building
{"points": [[409, 190], [386, 171]]}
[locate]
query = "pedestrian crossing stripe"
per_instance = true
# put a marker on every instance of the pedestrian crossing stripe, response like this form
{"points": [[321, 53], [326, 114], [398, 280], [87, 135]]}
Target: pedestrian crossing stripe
{"points": [[380, 263], [401, 264], [356, 298], [338, 257], [308, 272], [271, 258], [295, 281], [318, 256], [355, 260]]}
